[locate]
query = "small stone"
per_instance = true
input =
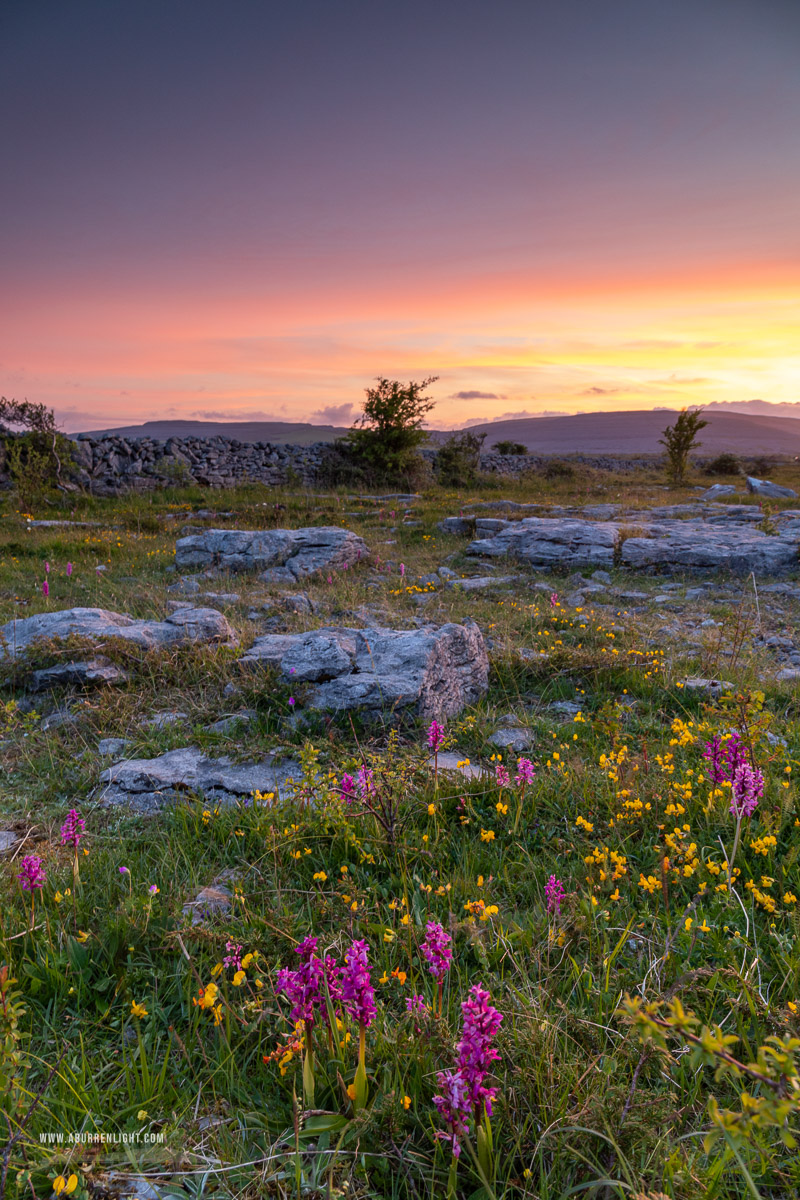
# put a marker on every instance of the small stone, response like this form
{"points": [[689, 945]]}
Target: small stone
{"points": [[8, 840], [516, 740], [232, 723], [296, 602], [111, 746], [62, 716], [788, 674], [714, 686], [164, 720], [187, 585], [133, 1187], [451, 762]]}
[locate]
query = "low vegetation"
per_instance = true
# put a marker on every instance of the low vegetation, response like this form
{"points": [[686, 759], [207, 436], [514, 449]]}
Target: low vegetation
{"points": [[573, 972]]}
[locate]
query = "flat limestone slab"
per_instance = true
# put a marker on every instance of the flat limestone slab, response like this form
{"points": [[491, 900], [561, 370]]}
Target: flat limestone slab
{"points": [[649, 541], [283, 555], [434, 671], [98, 624], [147, 784]]}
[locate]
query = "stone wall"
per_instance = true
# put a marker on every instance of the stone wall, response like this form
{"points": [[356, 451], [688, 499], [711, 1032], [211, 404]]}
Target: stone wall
{"points": [[116, 464], [110, 465]]}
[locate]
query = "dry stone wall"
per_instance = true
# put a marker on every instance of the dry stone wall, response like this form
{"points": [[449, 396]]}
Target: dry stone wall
{"points": [[110, 465]]}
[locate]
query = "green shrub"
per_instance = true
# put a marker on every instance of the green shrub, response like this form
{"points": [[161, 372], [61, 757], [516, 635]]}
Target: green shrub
{"points": [[724, 464], [508, 447], [382, 448], [33, 450], [459, 458], [556, 468]]}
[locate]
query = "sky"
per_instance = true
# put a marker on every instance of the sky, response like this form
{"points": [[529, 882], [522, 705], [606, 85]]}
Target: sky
{"points": [[250, 210]]}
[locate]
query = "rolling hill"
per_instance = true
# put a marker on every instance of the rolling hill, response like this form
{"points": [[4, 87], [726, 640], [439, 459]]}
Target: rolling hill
{"points": [[584, 433], [638, 433]]}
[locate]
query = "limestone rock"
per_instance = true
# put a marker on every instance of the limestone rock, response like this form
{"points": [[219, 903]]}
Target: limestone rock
{"points": [[655, 541], [95, 673], [97, 624], [544, 542], [714, 687], [236, 721], [517, 740], [460, 526], [479, 583], [8, 840], [111, 747], [764, 487], [717, 490], [283, 555], [702, 546], [146, 784], [434, 671], [453, 763]]}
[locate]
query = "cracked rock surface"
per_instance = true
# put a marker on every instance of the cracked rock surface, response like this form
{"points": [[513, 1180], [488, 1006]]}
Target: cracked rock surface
{"points": [[147, 784], [283, 555], [731, 544], [97, 624], [435, 670]]}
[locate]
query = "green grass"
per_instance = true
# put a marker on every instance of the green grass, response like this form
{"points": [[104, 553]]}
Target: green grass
{"points": [[583, 1107]]}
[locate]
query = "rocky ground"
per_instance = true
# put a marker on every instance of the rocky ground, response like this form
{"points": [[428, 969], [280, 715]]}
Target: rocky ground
{"points": [[200, 682]]}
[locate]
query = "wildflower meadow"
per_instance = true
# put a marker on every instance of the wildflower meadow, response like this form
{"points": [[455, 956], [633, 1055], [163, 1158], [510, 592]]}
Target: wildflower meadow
{"points": [[547, 947]]}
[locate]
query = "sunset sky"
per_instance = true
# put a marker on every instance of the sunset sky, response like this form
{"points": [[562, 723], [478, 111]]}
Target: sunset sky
{"points": [[249, 209]]}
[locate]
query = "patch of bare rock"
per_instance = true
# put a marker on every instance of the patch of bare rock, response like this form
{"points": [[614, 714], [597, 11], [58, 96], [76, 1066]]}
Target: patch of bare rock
{"points": [[147, 784], [653, 542], [282, 555], [98, 625]]}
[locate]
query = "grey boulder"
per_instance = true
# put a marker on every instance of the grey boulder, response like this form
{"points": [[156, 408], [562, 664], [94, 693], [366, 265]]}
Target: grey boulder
{"points": [[98, 624], [146, 784], [763, 487], [434, 671], [283, 555]]}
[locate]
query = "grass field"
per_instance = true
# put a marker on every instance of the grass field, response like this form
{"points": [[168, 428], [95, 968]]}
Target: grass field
{"points": [[576, 891]]}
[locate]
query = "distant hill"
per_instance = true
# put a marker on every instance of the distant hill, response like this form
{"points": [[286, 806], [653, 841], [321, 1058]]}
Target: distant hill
{"points": [[638, 433], [301, 434], [582, 433]]}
